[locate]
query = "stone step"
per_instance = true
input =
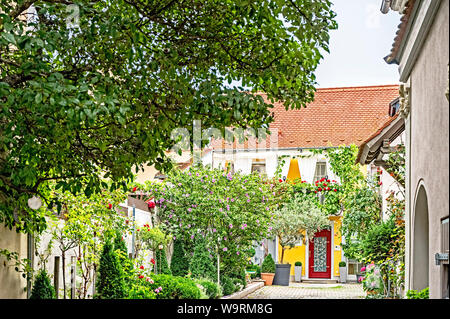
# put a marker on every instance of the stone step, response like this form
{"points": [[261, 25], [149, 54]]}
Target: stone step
{"points": [[319, 281]]}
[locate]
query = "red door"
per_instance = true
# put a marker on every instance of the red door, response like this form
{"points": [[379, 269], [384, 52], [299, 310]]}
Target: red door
{"points": [[320, 255]]}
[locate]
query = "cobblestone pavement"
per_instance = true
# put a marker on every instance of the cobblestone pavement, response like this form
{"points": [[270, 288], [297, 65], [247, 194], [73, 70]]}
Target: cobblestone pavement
{"points": [[309, 291]]}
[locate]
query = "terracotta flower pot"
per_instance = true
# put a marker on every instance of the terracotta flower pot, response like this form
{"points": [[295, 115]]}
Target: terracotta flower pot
{"points": [[268, 278]]}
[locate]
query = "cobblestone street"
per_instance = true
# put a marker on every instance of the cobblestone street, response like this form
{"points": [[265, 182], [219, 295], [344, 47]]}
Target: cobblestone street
{"points": [[309, 291]]}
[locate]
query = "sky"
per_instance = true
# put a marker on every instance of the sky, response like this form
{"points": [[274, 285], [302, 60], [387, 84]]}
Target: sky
{"points": [[357, 48]]}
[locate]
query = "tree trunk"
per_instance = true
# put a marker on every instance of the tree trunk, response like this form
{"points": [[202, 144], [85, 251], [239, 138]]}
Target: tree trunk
{"points": [[282, 254]]}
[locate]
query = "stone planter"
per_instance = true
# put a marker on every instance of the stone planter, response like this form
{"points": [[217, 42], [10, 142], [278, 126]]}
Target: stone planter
{"points": [[298, 273], [342, 274], [268, 278], [282, 274]]}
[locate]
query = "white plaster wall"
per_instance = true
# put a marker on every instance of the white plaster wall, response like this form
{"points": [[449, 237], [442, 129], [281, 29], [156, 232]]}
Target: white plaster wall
{"points": [[429, 120]]}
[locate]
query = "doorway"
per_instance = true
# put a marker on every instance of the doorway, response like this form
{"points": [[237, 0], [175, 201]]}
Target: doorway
{"points": [[320, 255]]}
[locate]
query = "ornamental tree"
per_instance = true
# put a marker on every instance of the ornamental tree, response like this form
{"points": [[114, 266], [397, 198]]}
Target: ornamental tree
{"points": [[96, 88], [297, 220], [232, 211]]}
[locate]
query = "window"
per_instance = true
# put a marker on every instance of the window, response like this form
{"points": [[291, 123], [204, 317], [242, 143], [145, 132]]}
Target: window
{"points": [[321, 171], [354, 267], [259, 166]]}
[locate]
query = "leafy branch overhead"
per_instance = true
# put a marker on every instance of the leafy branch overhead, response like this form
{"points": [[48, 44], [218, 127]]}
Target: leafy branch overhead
{"points": [[98, 90]]}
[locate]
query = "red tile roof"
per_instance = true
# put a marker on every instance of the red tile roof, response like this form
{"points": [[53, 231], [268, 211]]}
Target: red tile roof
{"points": [[337, 116]]}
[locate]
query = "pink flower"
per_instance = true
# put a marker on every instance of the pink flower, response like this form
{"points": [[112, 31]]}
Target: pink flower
{"points": [[225, 248], [231, 226], [363, 268]]}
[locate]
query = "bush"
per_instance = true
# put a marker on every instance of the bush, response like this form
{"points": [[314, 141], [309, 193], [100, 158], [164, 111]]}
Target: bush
{"points": [[202, 266], [227, 286], [110, 284], [180, 263], [141, 292], [42, 288], [342, 264], [298, 263], [162, 267], [268, 265], [237, 284], [414, 294], [212, 290], [174, 287]]}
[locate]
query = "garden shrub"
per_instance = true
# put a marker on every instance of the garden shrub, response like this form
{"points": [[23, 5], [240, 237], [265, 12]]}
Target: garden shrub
{"points": [[298, 263], [202, 265], [42, 287], [179, 264], [268, 265], [422, 294], [212, 290], [237, 282], [110, 284], [141, 292], [174, 287], [227, 286], [162, 267]]}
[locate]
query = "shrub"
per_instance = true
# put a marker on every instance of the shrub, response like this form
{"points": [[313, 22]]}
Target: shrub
{"points": [[141, 292], [162, 266], [180, 263], [268, 265], [237, 284], [298, 263], [174, 287], [110, 284], [227, 286], [212, 290], [414, 294], [42, 288], [342, 264], [202, 265]]}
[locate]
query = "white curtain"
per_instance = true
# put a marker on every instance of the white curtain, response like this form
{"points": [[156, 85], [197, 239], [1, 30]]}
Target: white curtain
{"points": [[307, 167]]}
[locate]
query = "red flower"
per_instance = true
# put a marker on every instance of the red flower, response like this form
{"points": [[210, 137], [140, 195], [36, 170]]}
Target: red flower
{"points": [[315, 192], [142, 267], [380, 183], [109, 206], [151, 204], [319, 189], [127, 221], [325, 184], [328, 180], [152, 261], [335, 190], [280, 180], [141, 276], [328, 189], [134, 189]]}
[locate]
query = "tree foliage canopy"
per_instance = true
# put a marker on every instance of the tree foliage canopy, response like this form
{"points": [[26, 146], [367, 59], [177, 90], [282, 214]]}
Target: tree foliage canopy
{"points": [[95, 88]]}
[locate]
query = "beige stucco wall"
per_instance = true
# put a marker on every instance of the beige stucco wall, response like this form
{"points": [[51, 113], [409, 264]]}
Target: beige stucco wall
{"points": [[11, 282], [429, 136]]}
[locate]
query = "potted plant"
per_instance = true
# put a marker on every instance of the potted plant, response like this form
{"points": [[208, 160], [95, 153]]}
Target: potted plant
{"points": [[342, 272], [268, 270], [299, 217], [298, 271]]}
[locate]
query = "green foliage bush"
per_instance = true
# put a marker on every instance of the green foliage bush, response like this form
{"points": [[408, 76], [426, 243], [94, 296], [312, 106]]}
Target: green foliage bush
{"points": [[179, 264], [110, 284], [141, 292], [202, 265], [342, 264], [298, 263], [42, 287], [268, 265], [162, 267], [227, 286], [174, 287], [422, 294], [212, 290]]}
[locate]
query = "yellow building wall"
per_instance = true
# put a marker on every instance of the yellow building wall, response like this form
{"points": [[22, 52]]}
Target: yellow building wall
{"points": [[299, 252]]}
